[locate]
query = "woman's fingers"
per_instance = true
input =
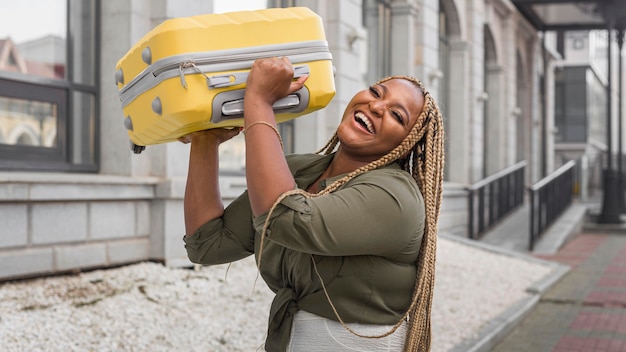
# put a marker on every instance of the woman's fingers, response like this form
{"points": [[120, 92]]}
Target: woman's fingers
{"points": [[297, 84], [221, 134]]}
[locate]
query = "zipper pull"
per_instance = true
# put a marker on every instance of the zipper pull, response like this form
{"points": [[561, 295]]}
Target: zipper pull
{"points": [[191, 64], [181, 70]]}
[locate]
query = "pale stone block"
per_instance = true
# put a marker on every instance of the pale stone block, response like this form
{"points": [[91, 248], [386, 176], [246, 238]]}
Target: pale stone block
{"points": [[177, 160], [26, 262], [157, 233], [174, 230], [90, 191], [59, 222], [13, 225], [350, 12], [13, 192], [111, 220], [80, 256], [171, 188], [128, 251], [143, 224]]}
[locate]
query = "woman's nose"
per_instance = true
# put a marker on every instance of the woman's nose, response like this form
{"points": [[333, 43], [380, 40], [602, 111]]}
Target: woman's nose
{"points": [[377, 107]]}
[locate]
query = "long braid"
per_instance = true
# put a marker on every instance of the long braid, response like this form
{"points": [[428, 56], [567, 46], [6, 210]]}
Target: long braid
{"points": [[330, 145], [421, 154]]}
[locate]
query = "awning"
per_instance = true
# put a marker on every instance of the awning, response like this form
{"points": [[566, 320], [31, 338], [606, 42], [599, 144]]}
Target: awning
{"points": [[573, 14]]}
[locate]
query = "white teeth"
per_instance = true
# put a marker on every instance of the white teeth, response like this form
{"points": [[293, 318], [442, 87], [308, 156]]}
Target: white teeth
{"points": [[361, 117]]}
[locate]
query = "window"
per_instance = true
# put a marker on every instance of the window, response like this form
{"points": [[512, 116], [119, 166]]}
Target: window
{"points": [[49, 85], [377, 21]]}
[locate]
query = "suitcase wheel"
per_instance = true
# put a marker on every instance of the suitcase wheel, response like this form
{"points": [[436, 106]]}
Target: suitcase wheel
{"points": [[137, 149]]}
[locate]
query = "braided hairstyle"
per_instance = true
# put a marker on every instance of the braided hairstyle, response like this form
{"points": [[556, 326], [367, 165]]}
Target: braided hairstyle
{"points": [[421, 154]]}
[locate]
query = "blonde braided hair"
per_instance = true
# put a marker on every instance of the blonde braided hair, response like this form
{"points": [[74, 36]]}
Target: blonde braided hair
{"points": [[421, 154]]}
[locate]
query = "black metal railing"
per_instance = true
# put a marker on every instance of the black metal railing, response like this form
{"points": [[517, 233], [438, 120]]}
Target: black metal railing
{"points": [[494, 197], [549, 198]]}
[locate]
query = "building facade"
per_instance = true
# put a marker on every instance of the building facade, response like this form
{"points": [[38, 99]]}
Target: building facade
{"points": [[73, 196]]}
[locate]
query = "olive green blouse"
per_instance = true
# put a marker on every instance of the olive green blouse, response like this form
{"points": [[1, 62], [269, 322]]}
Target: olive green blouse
{"points": [[364, 239]]}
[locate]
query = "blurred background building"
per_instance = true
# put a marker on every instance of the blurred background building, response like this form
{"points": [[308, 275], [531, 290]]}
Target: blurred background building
{"points": [[73, 196]]}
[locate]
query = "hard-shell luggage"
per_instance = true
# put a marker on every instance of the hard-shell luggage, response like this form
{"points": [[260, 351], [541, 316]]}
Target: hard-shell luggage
{"points": [[189, 74]]}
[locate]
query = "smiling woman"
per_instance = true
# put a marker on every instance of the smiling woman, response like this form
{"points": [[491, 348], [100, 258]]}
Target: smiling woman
{"points": [[362, 216]]}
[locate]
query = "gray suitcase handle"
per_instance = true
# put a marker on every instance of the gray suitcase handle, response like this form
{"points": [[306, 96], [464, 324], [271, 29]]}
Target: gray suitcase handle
{"points": [[235, 107]]}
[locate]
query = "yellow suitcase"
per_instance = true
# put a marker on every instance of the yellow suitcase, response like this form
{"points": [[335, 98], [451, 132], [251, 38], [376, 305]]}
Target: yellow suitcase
{"points": [[189, 74]]}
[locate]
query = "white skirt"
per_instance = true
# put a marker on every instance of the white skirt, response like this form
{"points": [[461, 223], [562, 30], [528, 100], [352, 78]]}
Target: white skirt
{"points": [[314, 333]]}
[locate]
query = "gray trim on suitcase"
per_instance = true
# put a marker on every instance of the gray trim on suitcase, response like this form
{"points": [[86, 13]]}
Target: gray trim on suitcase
{"points": [[218, 61]]}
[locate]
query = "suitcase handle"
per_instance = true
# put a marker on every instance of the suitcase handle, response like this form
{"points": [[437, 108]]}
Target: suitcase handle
{"points": [[231, 79], [235, 107]]}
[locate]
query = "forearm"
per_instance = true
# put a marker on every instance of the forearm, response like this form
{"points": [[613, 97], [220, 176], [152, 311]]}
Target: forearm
{"points": [[203, 200], [267, 173]]}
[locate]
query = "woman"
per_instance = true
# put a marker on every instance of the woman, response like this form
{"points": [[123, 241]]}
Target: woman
{"points": [[347, 239]]}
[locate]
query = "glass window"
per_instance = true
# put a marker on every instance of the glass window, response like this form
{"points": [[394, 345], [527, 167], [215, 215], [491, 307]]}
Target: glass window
{"points": [[28, 122], [48, 85], [33, 34]]}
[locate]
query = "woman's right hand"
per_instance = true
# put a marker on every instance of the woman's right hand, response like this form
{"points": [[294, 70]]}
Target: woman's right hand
{"points": [[220, 135]]}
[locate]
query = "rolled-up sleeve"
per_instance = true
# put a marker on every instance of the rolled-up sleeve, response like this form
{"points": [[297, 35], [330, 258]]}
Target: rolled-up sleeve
{"points": [[225, 239], [378, 213]]}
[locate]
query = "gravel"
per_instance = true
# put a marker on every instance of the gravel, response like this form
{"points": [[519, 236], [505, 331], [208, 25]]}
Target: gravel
{"points": [[149, 307]]}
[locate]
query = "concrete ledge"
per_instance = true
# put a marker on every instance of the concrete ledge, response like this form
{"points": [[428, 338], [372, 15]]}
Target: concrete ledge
{"points": [[592, 225], [79, 256], [128, 251], [26, 262], [16, 187], [546, 283], [567, 225], [499, 327]]}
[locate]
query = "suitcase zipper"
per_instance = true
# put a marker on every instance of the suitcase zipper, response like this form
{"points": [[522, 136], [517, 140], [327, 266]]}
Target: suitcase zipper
{"points": [[242, 57], [226, 60]]}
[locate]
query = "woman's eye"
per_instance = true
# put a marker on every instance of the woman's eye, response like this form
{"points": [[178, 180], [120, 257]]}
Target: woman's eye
{"points": [[374, 92], [398, 116]]}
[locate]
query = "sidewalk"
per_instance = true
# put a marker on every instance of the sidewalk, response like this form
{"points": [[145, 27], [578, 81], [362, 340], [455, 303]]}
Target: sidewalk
{"points": [[586, 309], [583, 311]]}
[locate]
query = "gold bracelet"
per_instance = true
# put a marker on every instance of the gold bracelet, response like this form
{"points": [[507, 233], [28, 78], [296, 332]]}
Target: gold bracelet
{"points": [[271, 126]]}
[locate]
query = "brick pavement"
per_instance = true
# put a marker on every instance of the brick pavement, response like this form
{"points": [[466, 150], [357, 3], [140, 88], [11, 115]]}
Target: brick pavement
{"points": [[586, 310]]}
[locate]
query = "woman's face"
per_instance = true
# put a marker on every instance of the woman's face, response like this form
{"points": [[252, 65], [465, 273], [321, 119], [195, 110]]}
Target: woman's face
{"points": [[378, 119]]}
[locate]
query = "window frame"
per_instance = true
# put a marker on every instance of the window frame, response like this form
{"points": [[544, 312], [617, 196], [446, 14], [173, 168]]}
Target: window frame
{"points": [[60, 93]]}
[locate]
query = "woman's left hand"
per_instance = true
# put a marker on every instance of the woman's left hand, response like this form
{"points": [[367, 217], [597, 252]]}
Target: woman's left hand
{"points": [[271, 79]]}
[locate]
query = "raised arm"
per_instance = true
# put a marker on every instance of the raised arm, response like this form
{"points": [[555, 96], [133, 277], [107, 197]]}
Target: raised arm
{"points": [[203, 201], [267, 173]]}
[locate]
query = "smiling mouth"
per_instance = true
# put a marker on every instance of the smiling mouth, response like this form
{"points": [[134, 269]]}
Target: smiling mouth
{"points": [[364, 121]]}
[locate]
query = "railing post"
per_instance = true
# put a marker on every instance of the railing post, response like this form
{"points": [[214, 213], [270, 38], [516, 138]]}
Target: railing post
{"points": [[481, 209], [470, 206], [531, 242], [491, 203]]}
